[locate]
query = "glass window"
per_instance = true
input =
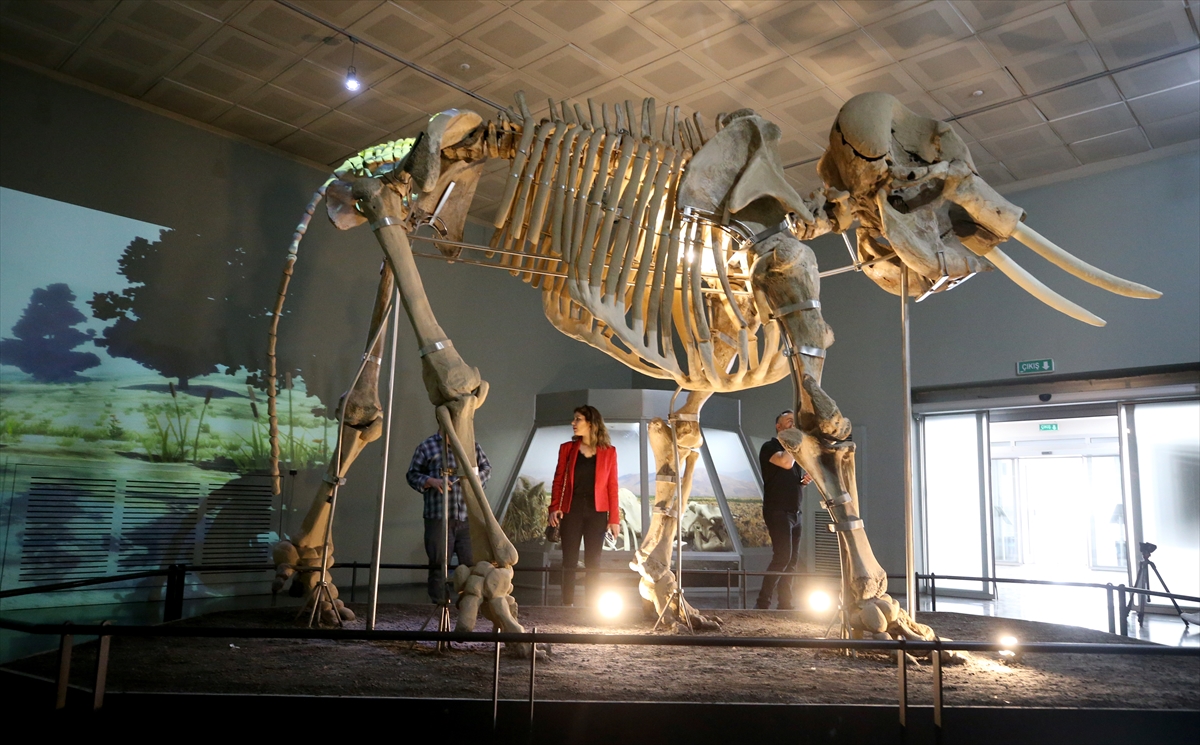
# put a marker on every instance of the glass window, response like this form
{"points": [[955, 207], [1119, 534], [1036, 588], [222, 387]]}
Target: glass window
{"points": [[952, 499], [1107, 513], [1168, 461], [1005, 512], [742, 492], [625, 438]]}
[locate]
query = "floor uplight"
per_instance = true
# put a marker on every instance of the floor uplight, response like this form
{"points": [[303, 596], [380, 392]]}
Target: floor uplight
{"points": [[610, 604], [819, 601], [1011, 651]]}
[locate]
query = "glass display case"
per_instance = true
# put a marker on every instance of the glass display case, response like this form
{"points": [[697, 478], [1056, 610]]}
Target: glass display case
{"points": [[723, 516]]}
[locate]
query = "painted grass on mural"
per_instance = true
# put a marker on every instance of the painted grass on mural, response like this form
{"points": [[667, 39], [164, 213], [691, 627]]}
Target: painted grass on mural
{"points": [[216, 423]]}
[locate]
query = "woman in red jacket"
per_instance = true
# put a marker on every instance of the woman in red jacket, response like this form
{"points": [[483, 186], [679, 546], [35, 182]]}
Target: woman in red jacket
{"points": [[584, 499]]}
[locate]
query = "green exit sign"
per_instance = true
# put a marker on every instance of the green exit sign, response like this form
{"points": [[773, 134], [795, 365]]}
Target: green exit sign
{"points": [[1035, 367], [1048, 427]]}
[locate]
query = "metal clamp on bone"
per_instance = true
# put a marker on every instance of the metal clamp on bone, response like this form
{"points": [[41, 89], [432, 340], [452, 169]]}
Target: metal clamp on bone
{"points": [[842, 527], [837, 500], [435, 347], [787, 310], [385, 221]]}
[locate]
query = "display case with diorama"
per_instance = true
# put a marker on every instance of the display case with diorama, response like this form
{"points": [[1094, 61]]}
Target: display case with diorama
{"points": [[722, 522]]}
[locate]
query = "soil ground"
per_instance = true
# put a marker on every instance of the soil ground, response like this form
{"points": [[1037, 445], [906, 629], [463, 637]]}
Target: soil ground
{"points": [[637, 673]]}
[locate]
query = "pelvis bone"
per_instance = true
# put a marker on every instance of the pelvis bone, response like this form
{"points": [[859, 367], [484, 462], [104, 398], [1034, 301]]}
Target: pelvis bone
{"points": [[921, 204]]}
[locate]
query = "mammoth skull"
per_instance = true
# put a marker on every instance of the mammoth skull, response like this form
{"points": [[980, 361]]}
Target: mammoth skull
{"points": [[920, 204]]}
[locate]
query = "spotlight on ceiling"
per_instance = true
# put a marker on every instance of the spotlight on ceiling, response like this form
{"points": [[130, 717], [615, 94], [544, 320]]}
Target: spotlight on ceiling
{"points": [[352, 83], [819, 600], [610, 604]]}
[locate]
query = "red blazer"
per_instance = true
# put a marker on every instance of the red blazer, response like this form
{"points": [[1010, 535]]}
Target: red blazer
{"points": [[607, 499]]}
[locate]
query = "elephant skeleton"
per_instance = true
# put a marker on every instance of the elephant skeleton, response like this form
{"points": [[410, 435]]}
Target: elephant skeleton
{"points": [[681, 256]]}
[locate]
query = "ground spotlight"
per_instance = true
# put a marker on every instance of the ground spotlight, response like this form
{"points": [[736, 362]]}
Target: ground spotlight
{"points": [[1011, 651], [819, 600], [610, 604]]}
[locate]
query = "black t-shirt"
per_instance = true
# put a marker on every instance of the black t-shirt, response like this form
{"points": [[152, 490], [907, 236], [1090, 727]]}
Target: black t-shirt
{"points": [[583, 494], [781, 486]]}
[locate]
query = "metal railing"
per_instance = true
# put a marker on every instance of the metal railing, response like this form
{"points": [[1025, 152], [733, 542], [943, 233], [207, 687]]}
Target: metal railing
{"points": [[901, 648]]}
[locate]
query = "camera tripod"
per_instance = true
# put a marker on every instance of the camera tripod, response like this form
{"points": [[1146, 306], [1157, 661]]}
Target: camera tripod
{"points": [[1142, 582]]}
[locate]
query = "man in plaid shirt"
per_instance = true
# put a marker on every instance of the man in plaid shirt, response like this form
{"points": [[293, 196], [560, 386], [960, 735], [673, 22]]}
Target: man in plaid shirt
{"points": [[425, 475]]}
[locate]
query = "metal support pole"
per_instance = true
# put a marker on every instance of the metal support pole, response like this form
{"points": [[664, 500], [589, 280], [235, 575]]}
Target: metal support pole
{"points": [[937, 685], [496, 688], [1112, 613], [933, 592], [910, 580], [728, 599], [902, 679], [101, 669], [173, 605], [66, 642], [532, 677], [1122, 611], [377, 547], [353, 579]]}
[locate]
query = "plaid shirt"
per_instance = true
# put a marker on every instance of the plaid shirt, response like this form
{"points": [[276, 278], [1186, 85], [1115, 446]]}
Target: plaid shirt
{"points": [[427, 463]]}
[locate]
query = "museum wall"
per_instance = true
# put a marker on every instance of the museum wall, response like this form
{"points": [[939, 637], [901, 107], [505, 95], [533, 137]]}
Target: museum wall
{"points": [[1141, 222], [240, 203]]}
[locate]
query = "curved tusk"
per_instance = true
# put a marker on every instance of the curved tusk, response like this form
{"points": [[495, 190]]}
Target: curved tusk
{"points": [[1076, 266], [1033, 286]]}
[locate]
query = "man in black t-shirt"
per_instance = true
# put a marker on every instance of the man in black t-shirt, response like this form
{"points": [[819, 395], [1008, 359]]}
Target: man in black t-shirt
{"points": [[782, 482]]}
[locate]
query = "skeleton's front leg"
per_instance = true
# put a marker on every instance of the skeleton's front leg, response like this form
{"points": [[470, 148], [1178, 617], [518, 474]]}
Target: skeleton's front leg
{"points": [[653, 558], [785, 274], [363, 424], [456, 390]]}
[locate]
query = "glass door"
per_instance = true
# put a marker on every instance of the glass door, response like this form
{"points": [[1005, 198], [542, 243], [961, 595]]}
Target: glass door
{"points": [[954, 476]]}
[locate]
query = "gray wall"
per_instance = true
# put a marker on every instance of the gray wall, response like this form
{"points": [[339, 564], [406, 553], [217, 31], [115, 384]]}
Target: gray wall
{"points": [[1141, 222], [73, 145]]}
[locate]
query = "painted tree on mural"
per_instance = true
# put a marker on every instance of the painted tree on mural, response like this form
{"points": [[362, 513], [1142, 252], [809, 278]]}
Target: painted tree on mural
{"points": [[187, 310], [45, 337]]}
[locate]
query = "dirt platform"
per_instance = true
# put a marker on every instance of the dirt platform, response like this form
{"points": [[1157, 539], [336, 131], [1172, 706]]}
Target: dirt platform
{"points": [[638, 673]]}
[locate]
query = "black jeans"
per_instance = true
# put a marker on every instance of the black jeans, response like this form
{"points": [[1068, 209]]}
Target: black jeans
{"points": [[590, 526], [784, 529], [460, 543]]}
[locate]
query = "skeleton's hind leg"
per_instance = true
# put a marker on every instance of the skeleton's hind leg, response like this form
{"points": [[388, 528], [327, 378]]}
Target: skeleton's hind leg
{"points": [[363, 424]]}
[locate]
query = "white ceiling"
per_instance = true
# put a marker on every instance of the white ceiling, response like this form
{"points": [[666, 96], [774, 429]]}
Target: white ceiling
{"points": [[1034, 87]]}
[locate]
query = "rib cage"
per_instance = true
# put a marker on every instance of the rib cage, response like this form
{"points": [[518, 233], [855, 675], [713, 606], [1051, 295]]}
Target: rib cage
{"points": [[589, 215]]}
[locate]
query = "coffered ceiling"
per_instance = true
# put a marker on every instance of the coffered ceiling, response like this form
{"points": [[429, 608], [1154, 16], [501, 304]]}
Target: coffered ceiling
{"points": [[1033, 87]]}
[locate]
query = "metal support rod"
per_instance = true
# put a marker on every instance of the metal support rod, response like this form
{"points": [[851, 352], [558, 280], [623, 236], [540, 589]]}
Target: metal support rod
{"points": [[377, 547], [1122, 611], [902, 679], [353, 580], [1112, 612], [910, 580], [65, 643], [102, 646], [532, 678], [933, 592], [728, 600], [937, 685], [496, 687]]}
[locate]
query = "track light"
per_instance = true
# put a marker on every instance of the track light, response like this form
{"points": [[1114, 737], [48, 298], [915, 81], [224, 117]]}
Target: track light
{"points": [[352, 83]]}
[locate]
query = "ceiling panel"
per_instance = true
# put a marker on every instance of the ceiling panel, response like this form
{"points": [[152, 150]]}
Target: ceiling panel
{"points": [[950, 64], [1094, 123], [1078, 98], [920, 29], [1170, 131], [796, 26], [685, 22], [1157, 76], [265, 71], [735, 51], [253, 125], [1167, 104], [513, 39], [171, 22], [844, 57], [986, 14], [1041, 163], [187, 101], [67, 21], [1113, 145], [1022, 142], [995, 174]]}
